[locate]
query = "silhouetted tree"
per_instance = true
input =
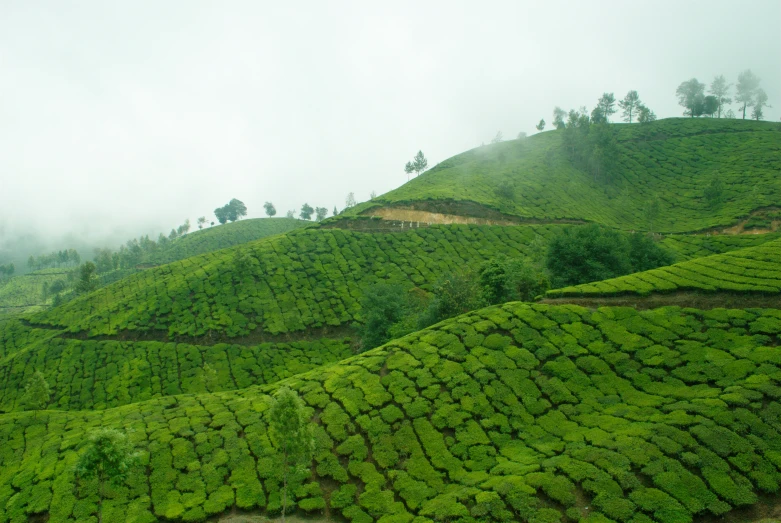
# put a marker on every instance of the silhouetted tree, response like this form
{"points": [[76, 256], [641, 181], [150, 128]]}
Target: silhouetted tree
{"points": [[419, 163], [691, 96], [710, 105], [559, 118], [306, 212], [409, 169], [320, 213], [629, 105], [746, 88], [760, 101], [270, 209], [720, 89], [540, 126], [645, 115], [201, 222], [350, 201]]}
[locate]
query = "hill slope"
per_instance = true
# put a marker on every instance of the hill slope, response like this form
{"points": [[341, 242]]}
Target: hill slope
{"points": [[673, 160], [219, 237], [25, 293], [750, 270], [313, 278], [520, 412]]}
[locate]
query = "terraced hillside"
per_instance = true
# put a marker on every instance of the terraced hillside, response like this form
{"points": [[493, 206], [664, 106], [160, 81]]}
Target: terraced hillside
{"points": [[672, 160], [219, 237], [750, 270], [302, 280], [519, 412]]}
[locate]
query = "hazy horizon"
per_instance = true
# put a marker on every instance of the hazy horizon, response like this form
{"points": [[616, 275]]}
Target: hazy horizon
{"points": [[122, 120]]}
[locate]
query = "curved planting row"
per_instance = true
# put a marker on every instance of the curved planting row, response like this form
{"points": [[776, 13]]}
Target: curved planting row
{"points": [[751, 270], [689, 246], [100, 374], [671, 160], [519, 412], [304, 279]]}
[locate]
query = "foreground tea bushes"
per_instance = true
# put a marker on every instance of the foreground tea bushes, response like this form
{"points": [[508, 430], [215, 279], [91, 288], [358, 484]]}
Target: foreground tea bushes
{"points": [[750, 270], [307, 278], [99, 374], [689, 246], [670, 161], [15, 336], [512, 413]]}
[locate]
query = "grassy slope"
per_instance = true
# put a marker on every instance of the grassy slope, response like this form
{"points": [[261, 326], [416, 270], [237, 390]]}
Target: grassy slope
{"points": [[519, 411], [672, 159], [750, 270], [219, 237], [309, 278]]}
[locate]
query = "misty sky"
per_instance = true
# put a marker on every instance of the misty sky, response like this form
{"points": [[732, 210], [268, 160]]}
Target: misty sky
{"points": [[127, 117]]}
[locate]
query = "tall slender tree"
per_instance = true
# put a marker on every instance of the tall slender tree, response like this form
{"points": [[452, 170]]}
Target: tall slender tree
{"points": [[606, 104], [746, 89], [409, 169], [720, 89], [760, 101], [629, 105], [291, 434], [419, 163]]}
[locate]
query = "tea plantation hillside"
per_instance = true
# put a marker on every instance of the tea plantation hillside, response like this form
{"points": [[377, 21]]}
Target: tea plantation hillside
{"points": [[673, 160], [750, 270], [689, 246], [27, 293], [100, 374], [512, 413], [312, 278], [219, 237]]}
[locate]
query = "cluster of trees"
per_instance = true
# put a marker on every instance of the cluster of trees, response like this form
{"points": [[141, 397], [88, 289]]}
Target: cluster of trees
{"points": [[582, 254], [418, 164], [7, 270], [748, 93], [63, 258], [231, 211], [134, 251]]}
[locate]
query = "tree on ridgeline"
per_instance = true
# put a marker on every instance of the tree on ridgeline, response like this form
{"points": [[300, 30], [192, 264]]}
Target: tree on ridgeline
{"points": [[109, 458], [720, 89], [559, 118], [746, 89], [291, 435], [184, 228], [350, 201], [760, 101], [231, 211], [645, 115], [409, 169], [201, 222], [306, 212], [419, 163], [290, 214], [540, 126], [629, 105], [335, 212], [710, 105], [270, 209], [222, 214], [604, 109], [691, 96], [37, 393], [320, 213], [498, 138]]}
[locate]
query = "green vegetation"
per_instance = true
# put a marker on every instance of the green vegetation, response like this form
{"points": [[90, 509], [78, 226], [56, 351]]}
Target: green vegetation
{"points": [[687, 247], [305, 279], [750, 270], [671, 160], [592, 253], [100, 374], [501, 414]]}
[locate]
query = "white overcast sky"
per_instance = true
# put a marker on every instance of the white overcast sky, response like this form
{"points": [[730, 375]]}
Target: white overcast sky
{"points": [[124, 117]]}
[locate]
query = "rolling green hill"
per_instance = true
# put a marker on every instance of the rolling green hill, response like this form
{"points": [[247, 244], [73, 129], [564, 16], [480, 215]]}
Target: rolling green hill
{"points": [[219, 237], [519, 412], [672, 160], [305, 279], [690, 246], [750, 270]]}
